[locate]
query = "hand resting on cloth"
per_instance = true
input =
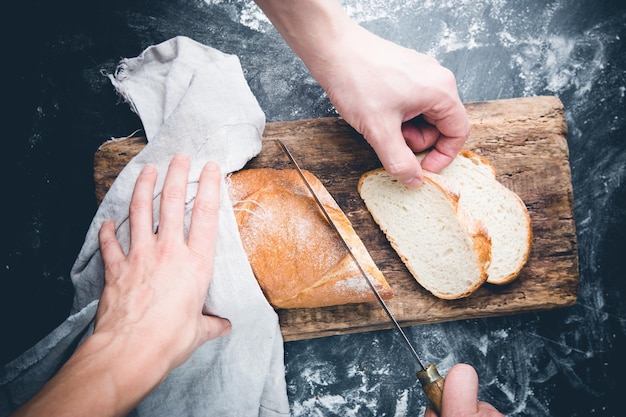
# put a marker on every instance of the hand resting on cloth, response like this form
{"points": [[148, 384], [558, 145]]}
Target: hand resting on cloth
{"points": [[149, 319], [191, 99]]}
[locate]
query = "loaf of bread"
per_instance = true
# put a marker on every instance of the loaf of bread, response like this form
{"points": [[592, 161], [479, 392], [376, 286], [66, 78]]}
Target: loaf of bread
{"points": [[447, 251], [501, 210], [296, 256]]}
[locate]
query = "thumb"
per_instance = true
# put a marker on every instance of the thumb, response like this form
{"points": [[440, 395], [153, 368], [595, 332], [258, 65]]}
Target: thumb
{"points": [[110, 247], [213, 327], [430, 412], [396, 156], [460, 395]]}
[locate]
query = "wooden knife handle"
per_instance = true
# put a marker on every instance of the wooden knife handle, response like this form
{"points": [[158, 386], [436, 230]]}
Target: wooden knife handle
{"points": [[432, 384]]}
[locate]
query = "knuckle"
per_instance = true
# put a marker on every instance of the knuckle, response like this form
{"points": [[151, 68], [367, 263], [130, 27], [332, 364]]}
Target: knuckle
{"points": [[168, 250], [135, 257], [208, 209], [172, 194], [375, 132], [448, 78], [397, 168], [139, 206], [106, 241]]}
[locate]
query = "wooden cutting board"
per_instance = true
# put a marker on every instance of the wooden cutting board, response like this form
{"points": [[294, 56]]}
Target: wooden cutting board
{"points": [[526, 141]]}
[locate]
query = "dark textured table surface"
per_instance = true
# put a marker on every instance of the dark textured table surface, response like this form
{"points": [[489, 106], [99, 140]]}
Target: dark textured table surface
{"points": [[59, 107]]}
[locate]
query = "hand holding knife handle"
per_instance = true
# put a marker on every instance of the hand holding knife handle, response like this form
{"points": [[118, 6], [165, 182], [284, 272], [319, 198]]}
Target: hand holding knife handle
{"points": [[432, 384]]}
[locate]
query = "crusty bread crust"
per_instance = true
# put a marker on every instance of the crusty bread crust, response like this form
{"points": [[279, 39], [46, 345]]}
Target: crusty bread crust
{"points": [[523, 242], [295, 255]]}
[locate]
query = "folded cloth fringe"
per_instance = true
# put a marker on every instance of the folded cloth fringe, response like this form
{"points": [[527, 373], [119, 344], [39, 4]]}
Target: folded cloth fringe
{"points": [[193, 99]]}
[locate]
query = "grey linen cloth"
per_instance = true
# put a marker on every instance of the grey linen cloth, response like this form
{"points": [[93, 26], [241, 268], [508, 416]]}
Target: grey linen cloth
{"points": [[193, 99]]}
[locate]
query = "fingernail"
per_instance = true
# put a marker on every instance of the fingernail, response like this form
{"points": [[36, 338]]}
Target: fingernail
{"points": [[211, 166], [148, 169]]}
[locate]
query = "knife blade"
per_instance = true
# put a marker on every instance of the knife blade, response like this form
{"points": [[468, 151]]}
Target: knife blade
{"points": [[429, 377]]}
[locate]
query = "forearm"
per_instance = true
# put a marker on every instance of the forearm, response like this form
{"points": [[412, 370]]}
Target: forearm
{"points": [[313, 29], [377, 86], [107, 376]]}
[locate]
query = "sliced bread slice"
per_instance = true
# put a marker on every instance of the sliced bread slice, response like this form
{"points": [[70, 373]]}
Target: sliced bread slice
{"points": [[446, 251], [501, 210]]}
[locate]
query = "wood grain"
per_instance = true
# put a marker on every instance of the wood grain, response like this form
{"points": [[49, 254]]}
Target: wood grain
{"points": [[525, 139]]}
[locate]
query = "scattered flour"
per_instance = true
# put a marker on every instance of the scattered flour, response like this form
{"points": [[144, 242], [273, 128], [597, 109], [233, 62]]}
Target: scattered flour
{"points": [[544, 60], [524, 47], [402, 404], [248, 13]]}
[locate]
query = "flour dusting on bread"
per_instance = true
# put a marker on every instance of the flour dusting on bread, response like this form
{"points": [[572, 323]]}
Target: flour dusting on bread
{"points": [[296, 256]]}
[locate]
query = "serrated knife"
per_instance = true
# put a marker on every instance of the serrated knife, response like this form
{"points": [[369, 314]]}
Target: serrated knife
{"points": [[430, 379]]}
